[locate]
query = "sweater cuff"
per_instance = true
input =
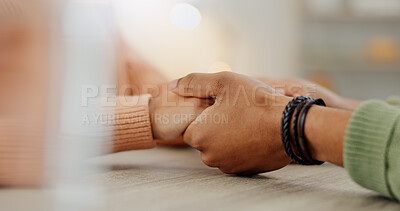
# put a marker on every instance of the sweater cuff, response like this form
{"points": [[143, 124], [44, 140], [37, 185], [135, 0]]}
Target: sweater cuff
{"points": [[132, 128], [366, 145]]}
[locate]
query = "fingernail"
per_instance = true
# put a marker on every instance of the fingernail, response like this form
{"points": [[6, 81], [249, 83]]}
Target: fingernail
{"points": [[173, 84]]}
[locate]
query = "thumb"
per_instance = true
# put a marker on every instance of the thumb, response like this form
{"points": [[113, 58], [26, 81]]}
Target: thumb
{"points": [[201, 85]]}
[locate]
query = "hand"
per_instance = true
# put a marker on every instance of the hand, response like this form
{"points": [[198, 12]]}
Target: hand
{"points": [[248, 141], [294, 87], [171, 114], [134, 74]]}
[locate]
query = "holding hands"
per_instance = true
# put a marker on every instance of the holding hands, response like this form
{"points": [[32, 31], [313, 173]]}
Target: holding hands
{"points": [[249, 141], [235, 121], [171, 114]]}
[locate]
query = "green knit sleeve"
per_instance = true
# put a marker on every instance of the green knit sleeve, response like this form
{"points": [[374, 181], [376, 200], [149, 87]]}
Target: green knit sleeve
{"points": [[372, 147]]}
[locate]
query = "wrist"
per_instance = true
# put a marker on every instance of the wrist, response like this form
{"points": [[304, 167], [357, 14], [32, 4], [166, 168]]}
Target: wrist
{"points": [[325, 130], [279, 105], [292, 130], [274, 118], [318, 152]]}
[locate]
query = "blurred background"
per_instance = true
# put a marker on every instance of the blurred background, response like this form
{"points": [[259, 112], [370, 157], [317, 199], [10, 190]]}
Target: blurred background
{"points": [[51, 49], [349, 46]]}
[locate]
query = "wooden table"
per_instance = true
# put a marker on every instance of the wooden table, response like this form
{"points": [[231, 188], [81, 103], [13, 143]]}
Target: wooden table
{"points": [[176, 179]]}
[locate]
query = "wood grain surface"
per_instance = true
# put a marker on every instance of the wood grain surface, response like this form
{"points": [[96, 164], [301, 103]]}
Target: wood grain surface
{"points": [[176, 179]]}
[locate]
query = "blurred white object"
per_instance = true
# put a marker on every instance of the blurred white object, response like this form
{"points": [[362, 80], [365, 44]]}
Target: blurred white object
{"points": [[185, 16], [259, 37], [83, 55], [219, 67]]}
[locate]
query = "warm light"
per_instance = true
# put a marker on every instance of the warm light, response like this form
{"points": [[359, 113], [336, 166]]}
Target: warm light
{"points": [[185, 16], [219, 67]]}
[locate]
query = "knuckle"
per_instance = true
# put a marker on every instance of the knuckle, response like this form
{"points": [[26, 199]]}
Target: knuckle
{"points": [[187, 85], [196, 136], [224, 74], [188, 80], [208, 160], [195, 141], [221, 81], [197, 144], [187, 136], [219, 84], [223, 77]]}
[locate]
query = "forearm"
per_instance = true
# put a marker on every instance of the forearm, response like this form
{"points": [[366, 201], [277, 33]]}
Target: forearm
{"points": [[325, 130], [365, 141]]}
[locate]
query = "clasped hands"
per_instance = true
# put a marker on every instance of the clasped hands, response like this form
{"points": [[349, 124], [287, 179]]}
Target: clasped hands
{"points": [[232, 119]]}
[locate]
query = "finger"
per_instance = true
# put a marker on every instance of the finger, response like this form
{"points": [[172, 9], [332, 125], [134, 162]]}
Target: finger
{"points": [[295, 91], [280, 91], [278, 85], [196, 134], [201, 85], [268, 81], [206, 102], [188, 136], [206, 158]]}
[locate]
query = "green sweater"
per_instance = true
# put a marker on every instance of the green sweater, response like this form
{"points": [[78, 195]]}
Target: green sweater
{"points": [[372, 147]]}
